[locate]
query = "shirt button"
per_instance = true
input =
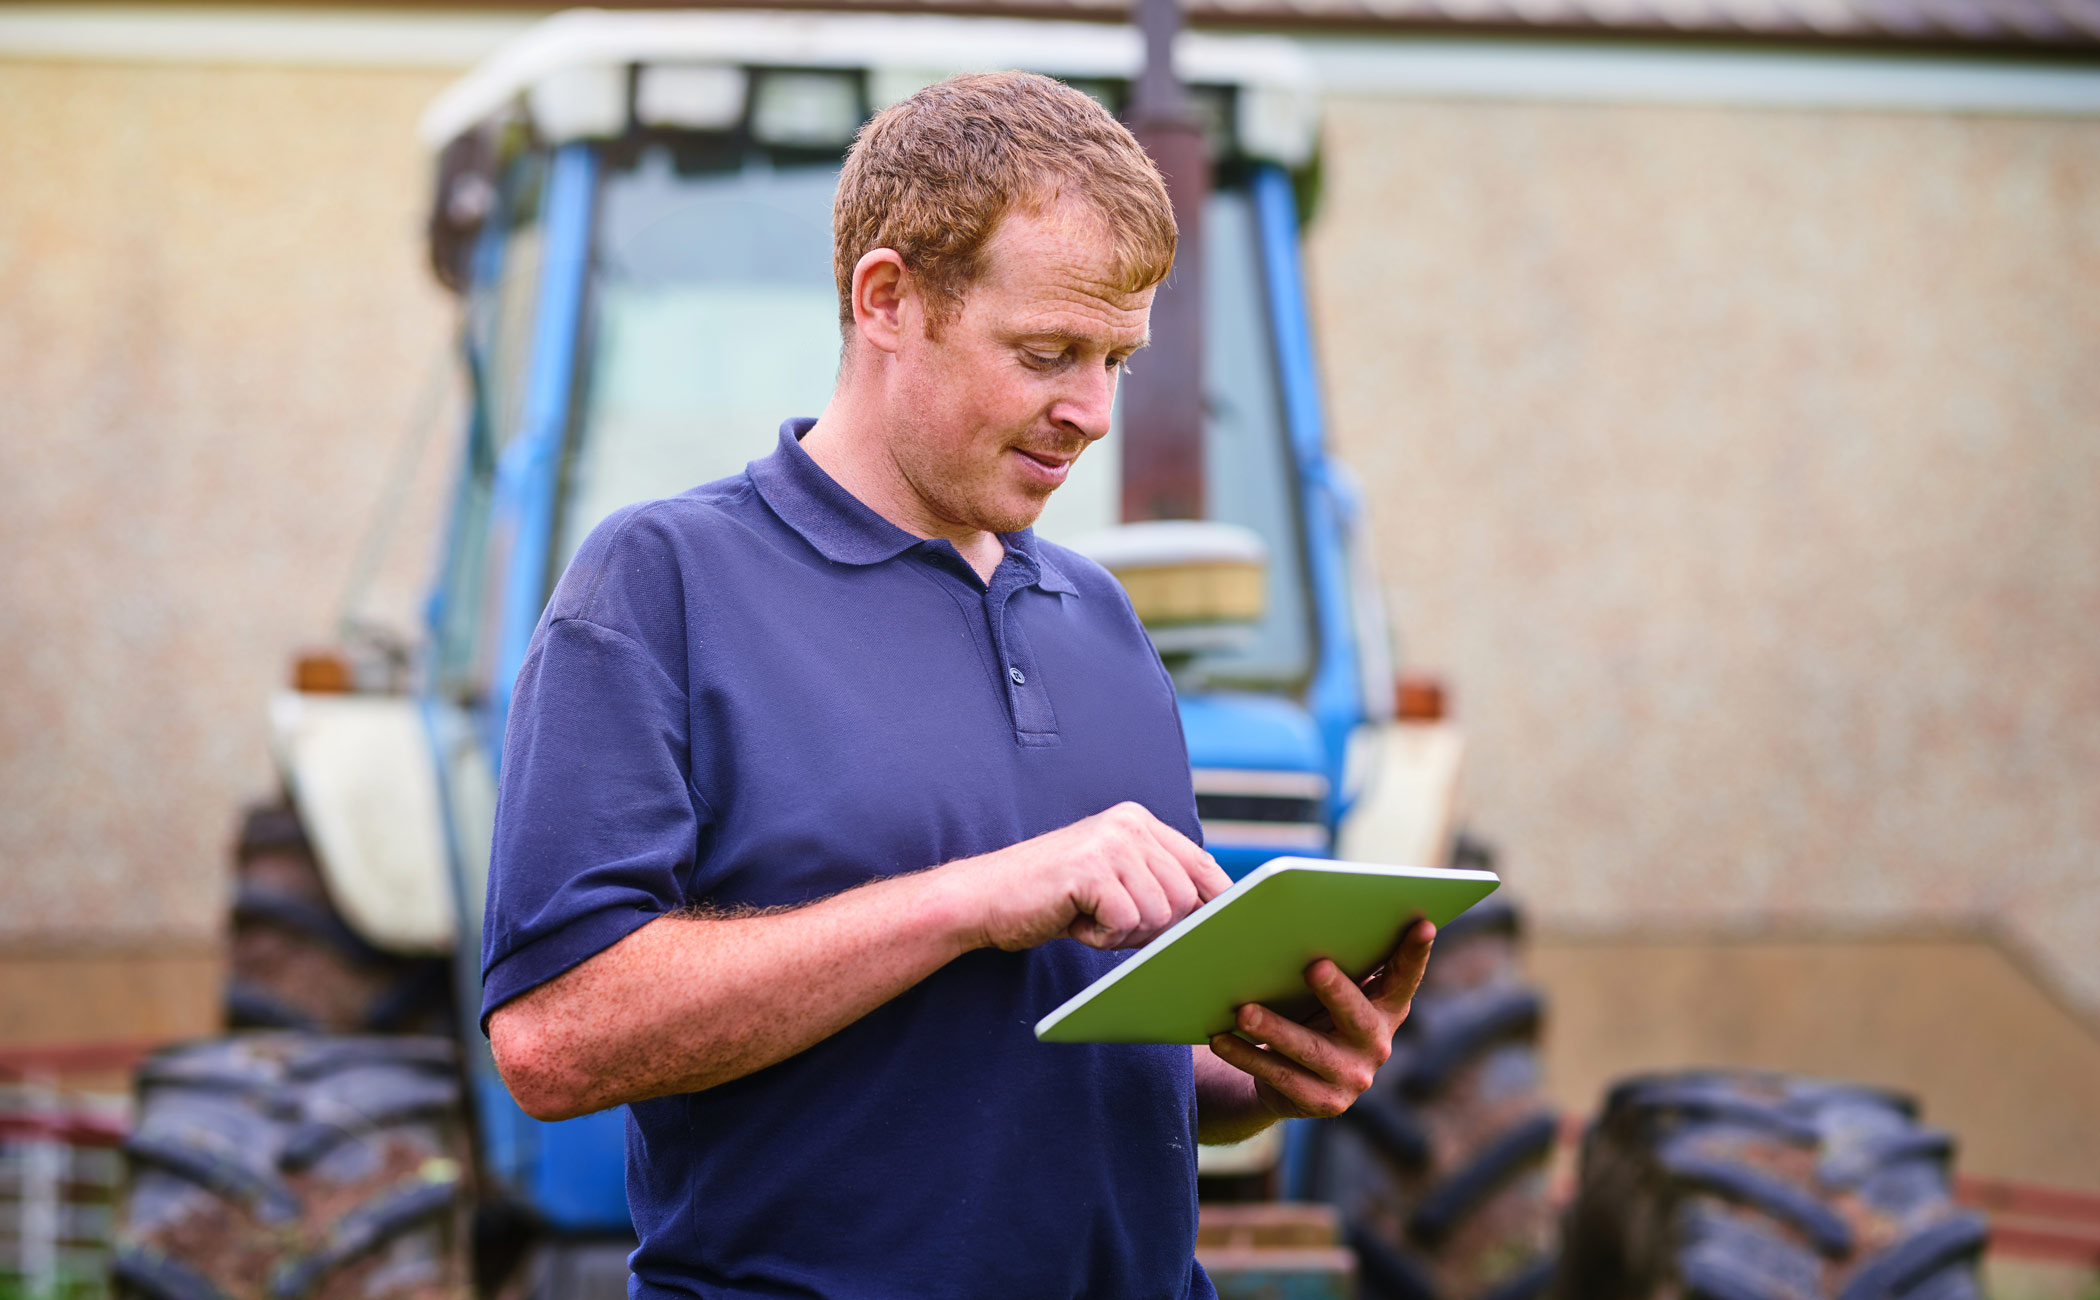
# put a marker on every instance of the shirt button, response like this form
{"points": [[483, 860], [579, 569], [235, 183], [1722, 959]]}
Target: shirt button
{"points": [[1020, 678]]}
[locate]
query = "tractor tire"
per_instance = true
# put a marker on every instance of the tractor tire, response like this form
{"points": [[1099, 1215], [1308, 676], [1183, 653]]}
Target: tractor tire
{"points": [[1440, 1169], [297, 965], [297, 1167], [1749, 1186]]}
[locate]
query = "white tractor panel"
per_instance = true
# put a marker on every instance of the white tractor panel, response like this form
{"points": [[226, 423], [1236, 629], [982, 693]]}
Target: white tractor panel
{"points": [[360, 772], [1409, 805]]}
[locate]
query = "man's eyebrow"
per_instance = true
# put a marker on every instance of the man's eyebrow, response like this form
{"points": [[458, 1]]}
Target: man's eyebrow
{"points": [[1068, 338]]}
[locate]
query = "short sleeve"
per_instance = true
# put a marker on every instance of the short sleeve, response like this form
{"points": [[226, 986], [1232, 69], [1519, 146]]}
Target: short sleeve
{"points": [[597, 821]]}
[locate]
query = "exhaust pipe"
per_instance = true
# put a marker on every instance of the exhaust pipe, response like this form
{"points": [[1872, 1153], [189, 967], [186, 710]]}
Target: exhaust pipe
{"points": [[1163, 398]]}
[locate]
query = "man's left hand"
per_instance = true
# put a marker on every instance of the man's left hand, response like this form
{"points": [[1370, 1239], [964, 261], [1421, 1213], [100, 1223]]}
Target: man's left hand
{"points": [[1319, 1067]]}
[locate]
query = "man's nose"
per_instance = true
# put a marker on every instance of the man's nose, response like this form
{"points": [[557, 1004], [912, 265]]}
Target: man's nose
{"points": [[1088, 404]]}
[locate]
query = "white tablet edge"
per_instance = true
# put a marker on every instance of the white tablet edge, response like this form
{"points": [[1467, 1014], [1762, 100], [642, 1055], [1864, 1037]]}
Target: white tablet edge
{"points": [[1244, 885]]}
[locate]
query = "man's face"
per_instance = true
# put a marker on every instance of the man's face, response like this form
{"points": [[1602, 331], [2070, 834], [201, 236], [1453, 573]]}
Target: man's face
{"points": [[993, 409]]}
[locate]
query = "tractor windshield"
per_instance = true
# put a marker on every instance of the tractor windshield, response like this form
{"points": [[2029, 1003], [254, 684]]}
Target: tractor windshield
{"points": [[714, 318]]}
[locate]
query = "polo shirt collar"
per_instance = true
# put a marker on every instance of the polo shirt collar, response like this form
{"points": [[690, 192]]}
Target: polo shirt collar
{"points": [[844, 529], [1047, 575], [838, 524]]}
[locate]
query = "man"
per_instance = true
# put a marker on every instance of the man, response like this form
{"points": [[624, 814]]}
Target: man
{"points": [[825, 781]]}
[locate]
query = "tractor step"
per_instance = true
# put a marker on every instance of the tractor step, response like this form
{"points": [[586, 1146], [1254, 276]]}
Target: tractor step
{"points": [[1275, 1251]]}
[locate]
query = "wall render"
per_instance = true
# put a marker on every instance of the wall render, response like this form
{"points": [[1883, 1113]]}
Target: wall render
{"points": [[1740, 470], [214, 328]]}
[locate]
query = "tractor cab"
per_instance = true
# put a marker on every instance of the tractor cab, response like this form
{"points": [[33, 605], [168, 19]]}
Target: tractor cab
{"points": [[634, 209]]}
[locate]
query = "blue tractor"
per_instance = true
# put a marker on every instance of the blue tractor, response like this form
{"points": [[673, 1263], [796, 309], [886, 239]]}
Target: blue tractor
{"points": [[633, 210]]}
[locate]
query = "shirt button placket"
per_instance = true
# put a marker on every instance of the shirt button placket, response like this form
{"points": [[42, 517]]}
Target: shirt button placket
{"points": [[1032, 716]]}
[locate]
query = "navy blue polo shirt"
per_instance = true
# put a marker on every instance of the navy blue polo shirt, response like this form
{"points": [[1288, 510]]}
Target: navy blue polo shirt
{"points": [[762, 693]]}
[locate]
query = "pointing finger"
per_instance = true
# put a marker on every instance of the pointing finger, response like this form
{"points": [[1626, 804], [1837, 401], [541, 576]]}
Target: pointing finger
{"points": [[1203, 869], [1155, 910], [1173, 881]]}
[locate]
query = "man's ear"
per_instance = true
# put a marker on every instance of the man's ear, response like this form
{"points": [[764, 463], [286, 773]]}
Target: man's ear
{"points": [[883, 293]]}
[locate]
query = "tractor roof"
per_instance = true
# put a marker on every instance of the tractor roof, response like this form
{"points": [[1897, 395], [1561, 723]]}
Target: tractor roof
{"points": [[569, 75]]}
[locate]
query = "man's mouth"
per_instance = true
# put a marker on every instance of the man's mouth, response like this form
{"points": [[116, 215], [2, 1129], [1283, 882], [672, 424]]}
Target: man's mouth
{"points": [[1047, 469], [1047, 460]]}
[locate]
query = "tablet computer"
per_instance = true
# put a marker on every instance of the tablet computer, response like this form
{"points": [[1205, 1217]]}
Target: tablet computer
{"points": [[1253, 942]]}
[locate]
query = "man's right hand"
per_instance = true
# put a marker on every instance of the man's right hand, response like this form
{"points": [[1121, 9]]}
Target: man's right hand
{"points": [[688, 1002], [1117, 879]]}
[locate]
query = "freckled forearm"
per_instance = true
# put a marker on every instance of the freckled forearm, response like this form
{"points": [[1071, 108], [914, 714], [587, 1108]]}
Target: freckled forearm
{"points": [[688, 1002]]}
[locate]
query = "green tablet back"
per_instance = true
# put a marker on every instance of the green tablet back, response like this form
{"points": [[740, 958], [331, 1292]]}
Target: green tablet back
{"points": [[1253, 943]]}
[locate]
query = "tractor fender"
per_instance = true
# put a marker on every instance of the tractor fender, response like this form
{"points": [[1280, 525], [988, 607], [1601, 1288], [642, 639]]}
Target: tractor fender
{"points": [[360, 772], [1406, 808]]}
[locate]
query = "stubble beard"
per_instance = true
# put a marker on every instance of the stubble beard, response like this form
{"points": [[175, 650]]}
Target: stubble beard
{"points": [[975, 495], [976, 500]]}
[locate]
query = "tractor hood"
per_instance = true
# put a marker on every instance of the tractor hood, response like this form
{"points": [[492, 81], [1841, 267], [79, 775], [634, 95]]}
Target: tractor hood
{"points": [[1258, 767]]}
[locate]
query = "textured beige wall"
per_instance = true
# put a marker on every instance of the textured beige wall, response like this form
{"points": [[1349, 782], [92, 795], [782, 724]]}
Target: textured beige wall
{"points": [[1742, 471], [214, 326]]}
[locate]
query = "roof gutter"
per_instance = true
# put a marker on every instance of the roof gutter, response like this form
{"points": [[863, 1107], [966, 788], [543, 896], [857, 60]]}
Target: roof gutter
{"points": [[1423, 61]]}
